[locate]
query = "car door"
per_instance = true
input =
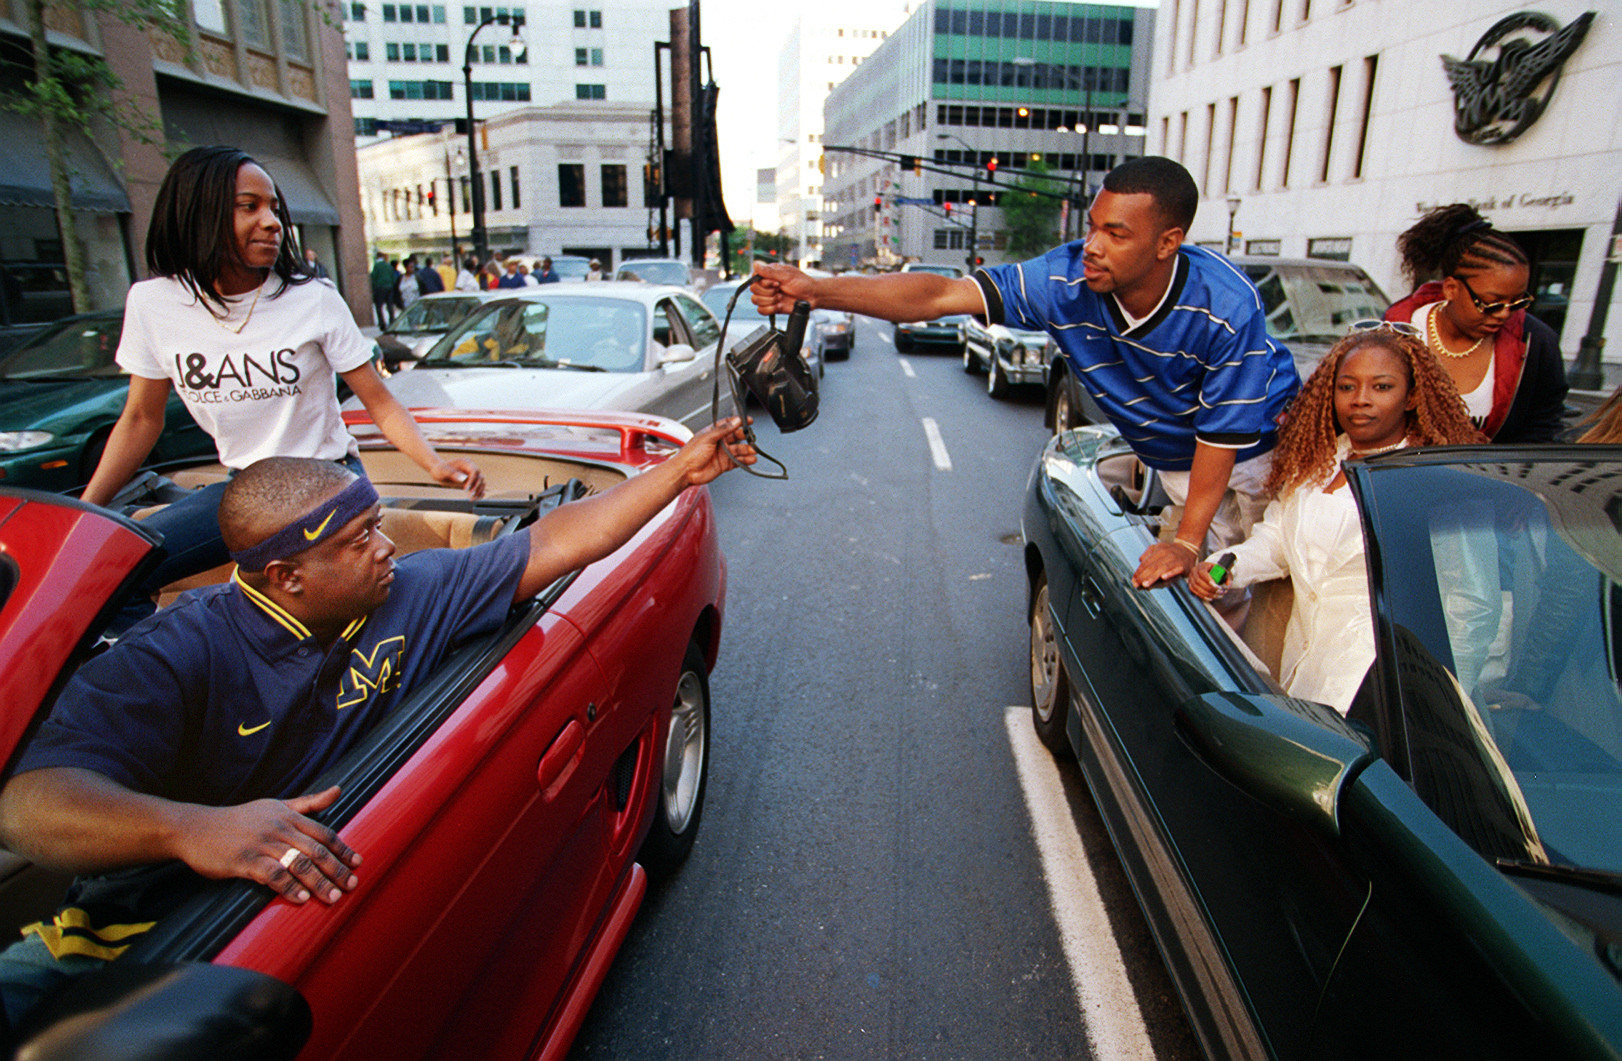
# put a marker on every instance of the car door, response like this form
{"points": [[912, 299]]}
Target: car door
{"points": [[1491, 839], [485, 855], [687, 386], [1250, 907]]}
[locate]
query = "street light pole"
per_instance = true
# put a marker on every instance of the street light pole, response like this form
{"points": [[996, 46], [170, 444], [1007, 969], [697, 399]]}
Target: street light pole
{"points": [[481, 239], [450, 201], [1233, 211]]}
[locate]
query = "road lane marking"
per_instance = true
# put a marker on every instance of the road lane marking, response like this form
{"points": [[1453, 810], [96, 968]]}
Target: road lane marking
{"points": [[1109, 1009], [906, 368], [937, 447]]}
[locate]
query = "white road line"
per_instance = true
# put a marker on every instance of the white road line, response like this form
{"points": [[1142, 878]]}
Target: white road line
{"points": [[1115, 1027], [906, 368], [937, 447]]}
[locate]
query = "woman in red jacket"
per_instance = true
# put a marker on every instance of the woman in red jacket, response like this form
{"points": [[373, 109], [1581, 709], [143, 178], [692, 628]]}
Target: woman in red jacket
{"points": [[1505, 364]]}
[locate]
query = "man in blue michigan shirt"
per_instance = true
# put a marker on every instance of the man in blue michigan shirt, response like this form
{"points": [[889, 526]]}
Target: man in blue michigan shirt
{"points": [[197, 736], [1170, 340]]}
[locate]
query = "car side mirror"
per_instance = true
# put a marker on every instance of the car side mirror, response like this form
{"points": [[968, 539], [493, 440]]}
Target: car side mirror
{"points": [[128, 1011], [1293, 755], [677, 354]]}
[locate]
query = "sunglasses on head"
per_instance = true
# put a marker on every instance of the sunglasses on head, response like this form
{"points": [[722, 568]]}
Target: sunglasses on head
{"points": [[1487, 309], [1373, 324]]}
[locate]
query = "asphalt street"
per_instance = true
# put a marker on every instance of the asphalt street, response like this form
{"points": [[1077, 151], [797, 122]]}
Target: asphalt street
{"points": [[867, 881]]}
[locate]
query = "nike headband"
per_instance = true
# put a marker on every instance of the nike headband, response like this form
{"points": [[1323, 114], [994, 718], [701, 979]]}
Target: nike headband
{"points": [[315, 526]]}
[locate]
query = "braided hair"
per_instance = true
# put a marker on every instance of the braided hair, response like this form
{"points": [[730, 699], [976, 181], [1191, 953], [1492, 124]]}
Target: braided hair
{"points": [[1305, 454], [1453, 239]]}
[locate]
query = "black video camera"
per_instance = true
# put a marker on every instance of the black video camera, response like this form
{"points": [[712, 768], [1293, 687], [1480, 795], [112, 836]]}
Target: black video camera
{"points": [[769, 365]]}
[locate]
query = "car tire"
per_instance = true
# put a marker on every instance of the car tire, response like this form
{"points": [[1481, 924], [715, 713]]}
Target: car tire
{"points": [[1050, 693], [684, 772], [1066, 413], [971, 364], [996, 382]]}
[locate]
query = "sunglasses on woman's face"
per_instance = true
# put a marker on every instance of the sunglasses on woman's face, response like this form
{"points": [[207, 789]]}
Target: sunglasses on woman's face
{"points": [[1488, 309]]}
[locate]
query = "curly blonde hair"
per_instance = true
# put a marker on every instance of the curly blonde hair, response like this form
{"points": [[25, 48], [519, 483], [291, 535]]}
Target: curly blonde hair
{"points": [[1306, 442], [1606, 421]]}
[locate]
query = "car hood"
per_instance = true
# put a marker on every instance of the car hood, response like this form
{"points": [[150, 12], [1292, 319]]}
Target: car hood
{"points": [[43, 404], [509, 388]]}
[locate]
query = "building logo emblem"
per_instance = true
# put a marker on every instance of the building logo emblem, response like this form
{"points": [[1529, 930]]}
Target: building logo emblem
{"points": [[1503, 86]]}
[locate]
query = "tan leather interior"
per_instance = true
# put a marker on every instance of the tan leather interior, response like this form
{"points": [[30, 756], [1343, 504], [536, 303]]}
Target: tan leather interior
{"points": [[410, 529]]}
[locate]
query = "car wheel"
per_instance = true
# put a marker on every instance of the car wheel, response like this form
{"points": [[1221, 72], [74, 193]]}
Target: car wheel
{"points": [[685, 771], [1050, 695], [1065, 414], [970, 362], [996, 382]]}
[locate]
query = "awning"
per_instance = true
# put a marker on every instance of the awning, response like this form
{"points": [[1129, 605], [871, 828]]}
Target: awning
{"points": [[26, 179], [274, 138]]}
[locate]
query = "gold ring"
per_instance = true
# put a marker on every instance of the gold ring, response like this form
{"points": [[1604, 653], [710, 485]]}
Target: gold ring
{"points": [[289, 856]]}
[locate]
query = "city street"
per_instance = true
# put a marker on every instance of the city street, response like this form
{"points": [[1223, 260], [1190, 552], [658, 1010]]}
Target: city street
{"points": [[870, 881]]}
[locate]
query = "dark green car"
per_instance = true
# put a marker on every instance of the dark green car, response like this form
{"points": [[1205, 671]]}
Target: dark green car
{"points": [[1437, 874], [60, 394]]}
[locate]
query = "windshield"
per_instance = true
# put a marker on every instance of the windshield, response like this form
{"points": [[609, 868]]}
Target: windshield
{"points": [[571, 268], [73, 348], [655, 272], [432, 315], [600, 333], [1310, 303], [938, 270], [1503, 581], [716, 298]]}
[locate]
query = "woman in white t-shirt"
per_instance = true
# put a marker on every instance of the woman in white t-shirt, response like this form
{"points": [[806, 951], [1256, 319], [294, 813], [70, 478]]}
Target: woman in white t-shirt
{"points": [[232, 320]]}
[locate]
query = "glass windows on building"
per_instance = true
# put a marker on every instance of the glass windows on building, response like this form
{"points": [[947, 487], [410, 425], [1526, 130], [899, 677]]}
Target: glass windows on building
{"points": [[1009, 74], [615, 186], [591, 92], [472, 16], [360, 90], [210, 15], [501, 91], [588, 57], [571, 184], [421, 89], [588, 19], [1073, 28]]}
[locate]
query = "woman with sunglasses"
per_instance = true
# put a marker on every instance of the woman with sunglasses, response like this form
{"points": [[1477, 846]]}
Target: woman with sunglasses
{"points": [[1473, 319]]}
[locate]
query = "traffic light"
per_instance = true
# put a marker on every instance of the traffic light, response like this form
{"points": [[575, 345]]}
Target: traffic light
{"points": [[912, 163], [878, 202], [948, 210], [430, 197], [991, 167], [979, 261]]}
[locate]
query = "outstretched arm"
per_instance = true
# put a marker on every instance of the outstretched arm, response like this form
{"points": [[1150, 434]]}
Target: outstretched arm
{"points": [[892, 297], [398, 426], [81, 821], [574, 535]]}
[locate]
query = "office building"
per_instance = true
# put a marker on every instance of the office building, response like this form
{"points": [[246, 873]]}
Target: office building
{"points": [[1330, 125], [825, 46], [963, 83], [406, 59], [267, 77]]}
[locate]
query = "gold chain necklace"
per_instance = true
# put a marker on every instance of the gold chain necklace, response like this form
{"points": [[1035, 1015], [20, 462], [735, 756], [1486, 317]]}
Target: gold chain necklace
{"points": [[1435, 337], [251, 307]]}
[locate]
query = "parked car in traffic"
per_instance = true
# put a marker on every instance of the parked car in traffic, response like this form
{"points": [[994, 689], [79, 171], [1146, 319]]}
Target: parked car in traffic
{"points": [[60, 394], [1309, 304], [952, 271], [671, 271], [1009, 357], [942, 333], [410, 334], [511, 810], [636, 347], [1438, 874]]}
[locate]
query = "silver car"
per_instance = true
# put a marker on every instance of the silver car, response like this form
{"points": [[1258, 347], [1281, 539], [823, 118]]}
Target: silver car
{"points": [[745, 319], [1008, 356], [633, 347]]}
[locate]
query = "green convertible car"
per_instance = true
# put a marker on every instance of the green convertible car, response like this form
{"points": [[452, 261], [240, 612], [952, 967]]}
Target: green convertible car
{"points": [[60, 394], [1438, 874]]}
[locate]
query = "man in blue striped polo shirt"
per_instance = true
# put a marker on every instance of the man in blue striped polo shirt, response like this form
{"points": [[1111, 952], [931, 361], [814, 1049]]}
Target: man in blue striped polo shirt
{"points": [[1170, 340]]}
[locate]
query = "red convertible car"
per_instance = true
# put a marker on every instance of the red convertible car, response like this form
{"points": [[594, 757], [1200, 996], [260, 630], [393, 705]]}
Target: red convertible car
{"points": [[506, 810]]}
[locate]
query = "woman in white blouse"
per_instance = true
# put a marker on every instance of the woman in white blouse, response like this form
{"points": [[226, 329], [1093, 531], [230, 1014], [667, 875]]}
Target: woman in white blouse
{"points": [[1376, 391]]}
